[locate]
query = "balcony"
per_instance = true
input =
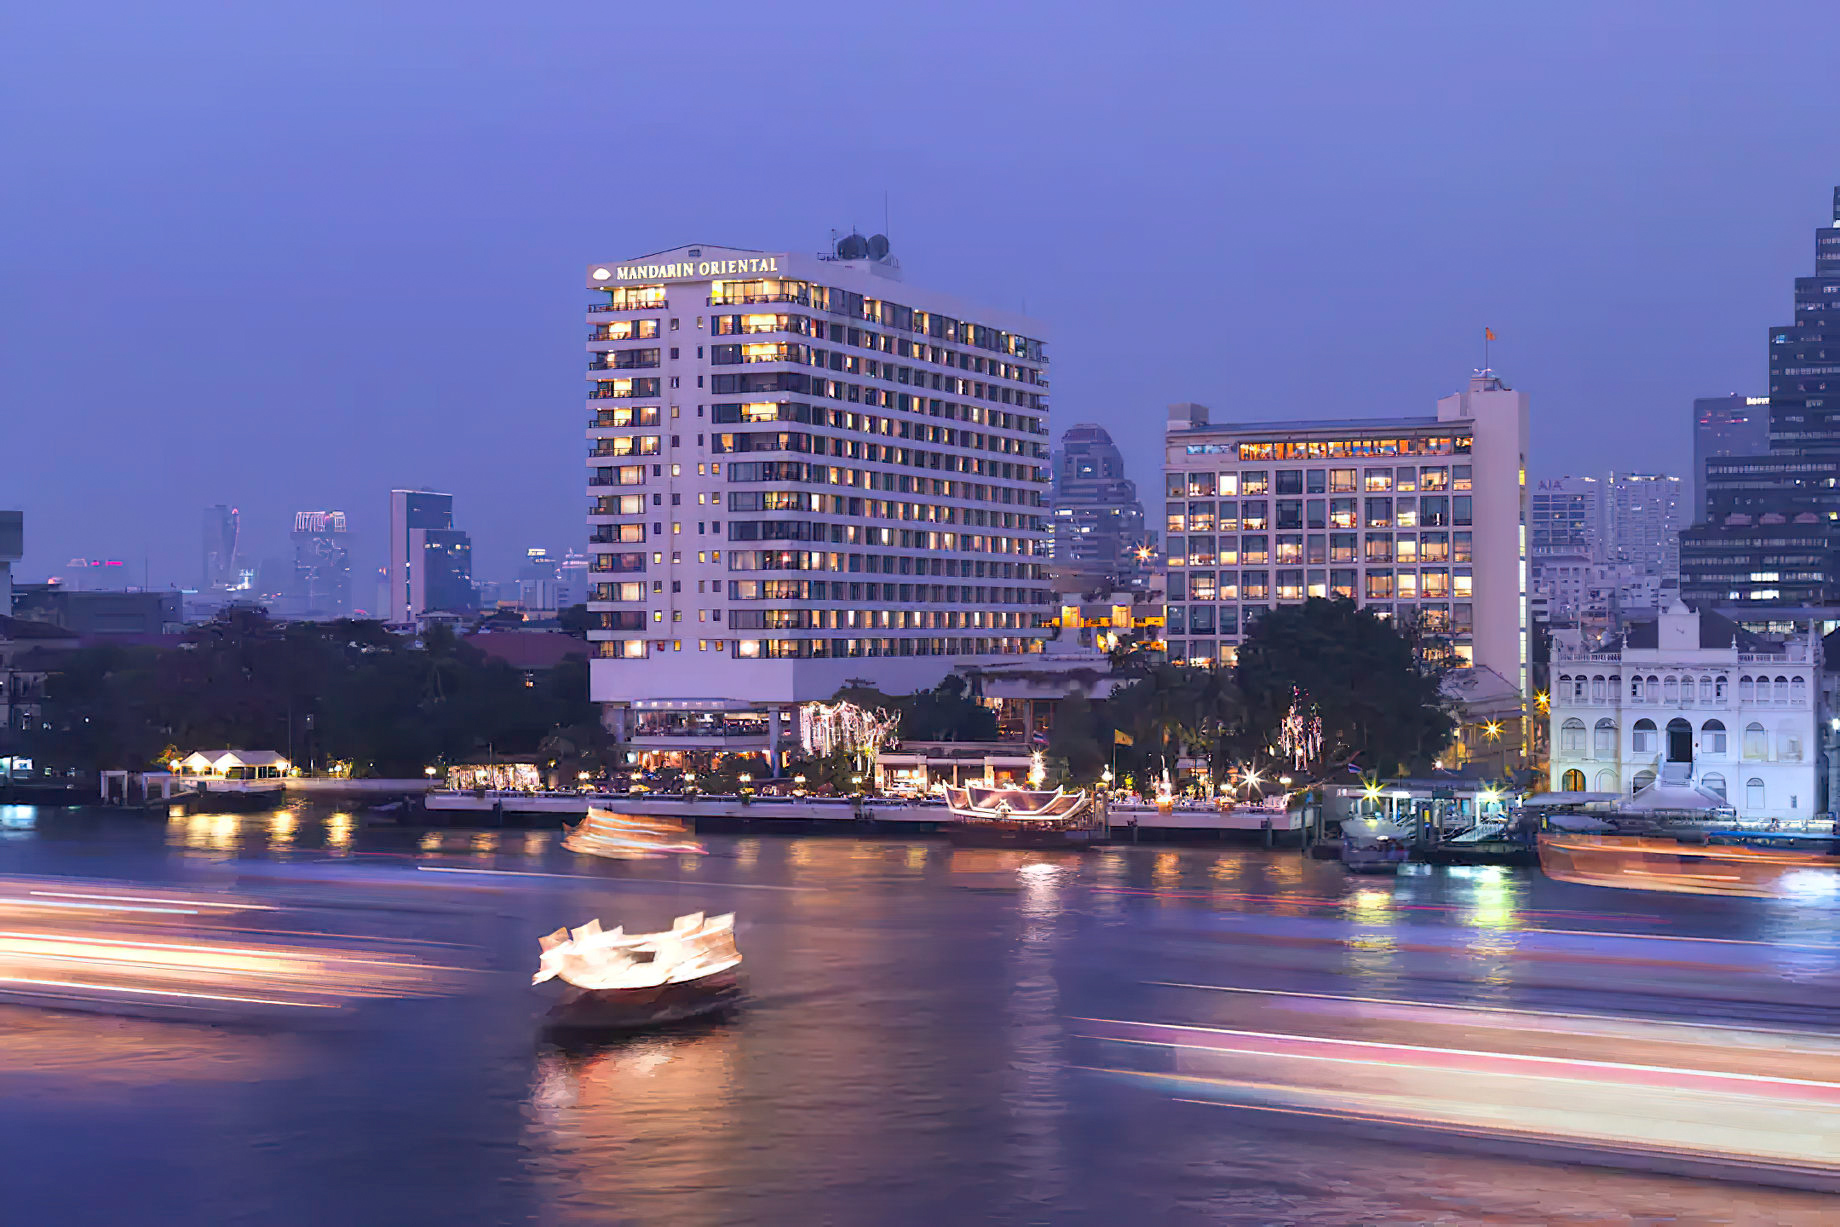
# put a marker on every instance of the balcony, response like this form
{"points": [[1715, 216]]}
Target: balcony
{"points": [[655, 305]]}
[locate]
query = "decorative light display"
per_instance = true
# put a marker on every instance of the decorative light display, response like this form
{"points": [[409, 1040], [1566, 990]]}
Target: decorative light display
{"points": [[1300, 733], [825, 728], [1038, 770]]}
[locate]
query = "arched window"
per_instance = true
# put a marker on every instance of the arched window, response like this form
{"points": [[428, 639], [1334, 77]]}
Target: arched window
{"points": [[1713, 783], [1603, 739], [1753, 794], [1572, 781], [1643, 780], [1571, 736], [1670, 690], [1644, 731], [1782, 690], [1798, 691], [1705, 690], [1718, 689], [1756, 741], [1747, 690], [1635, 690], [1789, 742], [1597, 689], [1606, 781], [1712, 739], [1578, 689]]}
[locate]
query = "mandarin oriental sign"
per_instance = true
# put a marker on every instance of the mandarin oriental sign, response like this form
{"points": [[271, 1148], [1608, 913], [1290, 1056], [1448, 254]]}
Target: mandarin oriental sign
{"points": [[688, 269]]}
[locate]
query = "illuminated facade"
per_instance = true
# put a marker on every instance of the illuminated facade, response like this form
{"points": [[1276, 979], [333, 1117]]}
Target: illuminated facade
{"points": [[802, 471], [1421, 519]]}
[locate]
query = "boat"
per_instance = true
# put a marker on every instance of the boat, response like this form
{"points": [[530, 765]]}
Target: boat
{"points": [[1662, 863], [1490, 842], [1373, 845], [627, 836], [614, 980], [1020, 818]]}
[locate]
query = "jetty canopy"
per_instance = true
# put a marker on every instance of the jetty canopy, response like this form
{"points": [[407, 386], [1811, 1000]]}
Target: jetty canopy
{"points": [[1664, 796], [1546, 800], [239, 762]]}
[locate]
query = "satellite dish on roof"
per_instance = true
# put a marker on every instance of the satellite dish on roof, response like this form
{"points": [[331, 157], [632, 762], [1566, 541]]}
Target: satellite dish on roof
{"points": [[878, 247], [852, 247]]}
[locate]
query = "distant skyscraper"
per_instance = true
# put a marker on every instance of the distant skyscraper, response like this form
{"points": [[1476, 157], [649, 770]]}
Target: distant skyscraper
{"points": [[1566, 515], [321, 585], [220, 540], [1098, 522], [537, 587], [431, 562], [1734, 425], [12, 549], [1643, 516], [572, 579]]}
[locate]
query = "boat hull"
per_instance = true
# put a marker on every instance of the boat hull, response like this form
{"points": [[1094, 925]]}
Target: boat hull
{"points": [[630, 1009], [1483, 852], [1649, 863], [1020, 835]]}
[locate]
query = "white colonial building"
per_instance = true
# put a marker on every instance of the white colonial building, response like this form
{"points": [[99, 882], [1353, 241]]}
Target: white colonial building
{"points": [[1689, 698]]}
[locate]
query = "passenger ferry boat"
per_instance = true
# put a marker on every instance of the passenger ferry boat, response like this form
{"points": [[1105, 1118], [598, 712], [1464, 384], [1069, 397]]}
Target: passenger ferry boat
{"points": [[628, 837], [1657, 862], [617, 980], [1021, 818]]}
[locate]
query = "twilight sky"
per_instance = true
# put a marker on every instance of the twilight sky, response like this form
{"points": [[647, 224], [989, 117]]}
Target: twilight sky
{"points": [[289, 255]]}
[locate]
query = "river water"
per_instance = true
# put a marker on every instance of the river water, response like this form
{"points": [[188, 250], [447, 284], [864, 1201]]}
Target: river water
{"points": [[914, 1050]]}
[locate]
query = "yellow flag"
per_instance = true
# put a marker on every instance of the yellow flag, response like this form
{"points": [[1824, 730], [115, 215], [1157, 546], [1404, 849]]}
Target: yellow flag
{"points": [[1488, 334], [1121, 738]]}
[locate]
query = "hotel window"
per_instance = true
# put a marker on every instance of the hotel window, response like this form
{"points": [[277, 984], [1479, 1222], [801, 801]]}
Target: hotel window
{"points": [[1256, 585], [1229, 485], [1434, 478], [1201, 485], [1229, 586], [1201, 620], [1290, 513], [1379, 513], [1405, 513], [1176, 620], [1289, 481], [1177, 547], [1435, 584], [1316, 483], [1290, 585], [1178, 591], [1405, 548], [1379, 548], [1316, 514], [1405, 479], [1460, 509], [1254, 550], [1341, 584], [1201, 585], [1252, 514], [1406, 586], [1175, 485], [1434, 547], [1229, 551], [1462, 616], [1342, 481], [1201, 551], [1380, 585], [1290, 548], [1177, 518], [1459, 547], [1379, 481], [1201, 517], [1434, 511], [1316, 585], [1256, 482], [1459, 476], [1343, 512], [1229, 619], [1460, 585], [1318, 552], [1229, 515], [1343, 547]]}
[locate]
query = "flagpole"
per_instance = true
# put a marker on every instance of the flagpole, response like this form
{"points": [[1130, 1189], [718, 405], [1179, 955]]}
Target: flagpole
{"points": [[1485, 349]]}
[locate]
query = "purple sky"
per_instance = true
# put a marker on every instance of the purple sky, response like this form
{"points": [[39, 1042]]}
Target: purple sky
{"points": [[290, 255]]}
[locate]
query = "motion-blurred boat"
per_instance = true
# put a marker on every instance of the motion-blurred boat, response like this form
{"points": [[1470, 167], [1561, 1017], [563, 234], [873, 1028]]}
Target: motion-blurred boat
{"points": [[628, 837], [1636, 862], [617, 980], [1374, 845], [1021, 818]]}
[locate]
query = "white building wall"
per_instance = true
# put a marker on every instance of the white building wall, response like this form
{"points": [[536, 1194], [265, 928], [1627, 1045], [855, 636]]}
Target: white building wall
{"points": [[1767, 703]]}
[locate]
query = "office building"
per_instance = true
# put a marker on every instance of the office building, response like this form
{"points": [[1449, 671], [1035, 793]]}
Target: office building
{"points": [[1690, 700], [431, 562], [1732, 425], [1643, 516], [571, 579], [538, 583], [1098, 523], [321, 581], [221, 526], [1565, 515], [1772, 522], [1420, 518], [12, 549], [803, 471]]}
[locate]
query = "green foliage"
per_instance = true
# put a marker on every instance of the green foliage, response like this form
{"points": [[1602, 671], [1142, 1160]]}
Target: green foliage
{"points": [[242, 681], [1377, 706], [945, 713], [1078, 748], [1175, 706]]}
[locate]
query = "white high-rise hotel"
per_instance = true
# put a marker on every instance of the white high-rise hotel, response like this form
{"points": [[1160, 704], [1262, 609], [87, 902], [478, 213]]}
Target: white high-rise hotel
{"points": [[802, 472]]}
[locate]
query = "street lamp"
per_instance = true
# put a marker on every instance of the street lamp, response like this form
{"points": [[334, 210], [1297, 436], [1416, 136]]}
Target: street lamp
{"points": [[428, 771]]}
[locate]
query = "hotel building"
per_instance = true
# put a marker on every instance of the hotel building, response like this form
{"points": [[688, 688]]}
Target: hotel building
{"points": [[802, 471], [1420, 518]]}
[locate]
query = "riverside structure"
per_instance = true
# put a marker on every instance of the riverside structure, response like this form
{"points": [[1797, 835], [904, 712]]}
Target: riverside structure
{"points": [[801, 471]]}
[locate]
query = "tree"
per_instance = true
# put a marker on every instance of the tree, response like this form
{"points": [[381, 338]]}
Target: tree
{"points": [[1378, 709]]}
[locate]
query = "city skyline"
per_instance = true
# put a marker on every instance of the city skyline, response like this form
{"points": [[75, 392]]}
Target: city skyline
{"points": [[1591, 302]]}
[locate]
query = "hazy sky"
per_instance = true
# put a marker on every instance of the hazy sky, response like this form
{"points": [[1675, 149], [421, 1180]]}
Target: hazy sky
{"points": [[289, 255]]}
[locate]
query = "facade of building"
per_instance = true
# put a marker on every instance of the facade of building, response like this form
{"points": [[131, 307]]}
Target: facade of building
{"points": [[1731, 425], [1689, 698], [12, 549], [1643, 516], [802, 471], [1770, 517], [125, 612], [1420, 518], [321, 584], [1565, 515], [1098, 523], [431, 562], [222, 524], [539, 583]]}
